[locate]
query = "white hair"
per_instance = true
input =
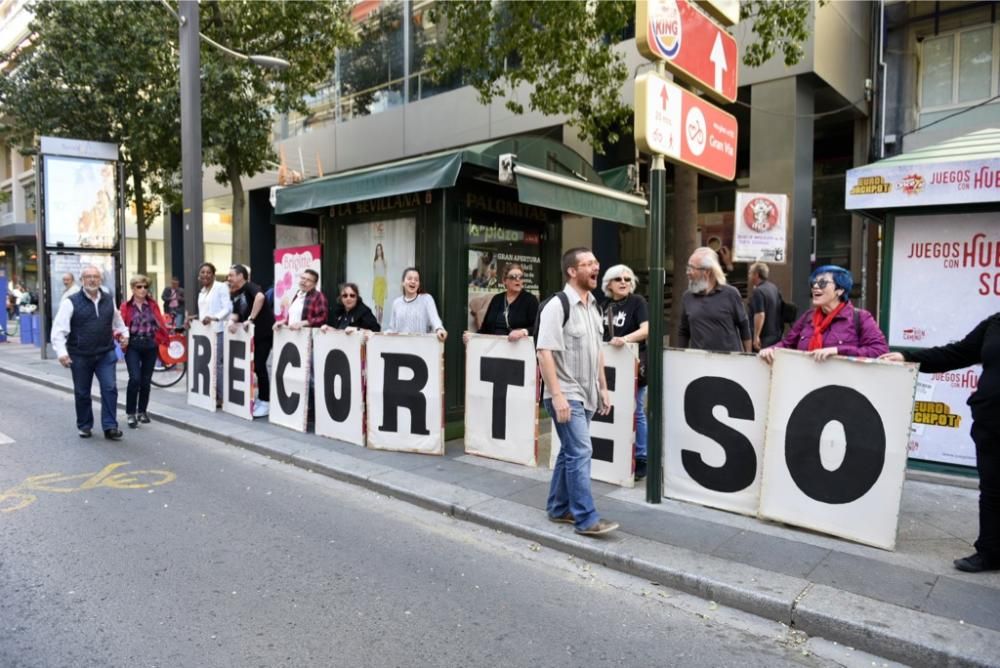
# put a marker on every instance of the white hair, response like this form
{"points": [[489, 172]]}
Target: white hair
{"points": [[710, 260], [616, 271]]}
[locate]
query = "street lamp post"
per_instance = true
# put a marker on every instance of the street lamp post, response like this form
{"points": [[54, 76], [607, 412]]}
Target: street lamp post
{"points": [[190, 84]]}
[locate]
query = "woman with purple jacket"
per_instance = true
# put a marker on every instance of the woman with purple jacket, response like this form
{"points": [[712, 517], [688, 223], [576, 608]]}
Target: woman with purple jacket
{"points": [[833, 326]]}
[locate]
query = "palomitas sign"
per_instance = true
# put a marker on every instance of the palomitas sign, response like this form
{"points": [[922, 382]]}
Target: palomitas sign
{"points": [[682, 127], [694, 48]]}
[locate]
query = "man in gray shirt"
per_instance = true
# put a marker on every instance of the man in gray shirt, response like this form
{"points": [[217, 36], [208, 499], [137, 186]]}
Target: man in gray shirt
{"points": [[765, 308], [572, 367], [712, 313]]}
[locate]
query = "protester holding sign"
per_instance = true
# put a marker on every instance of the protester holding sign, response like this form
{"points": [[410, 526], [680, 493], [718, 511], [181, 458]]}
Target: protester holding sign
{"points": [[351, 313], [147, 329], [214, 306], [712, 313], [833, 326], [511, 313], [249, 307], [309, 307], [980, 346], [626, 320], [414, 312], [572, 366]]}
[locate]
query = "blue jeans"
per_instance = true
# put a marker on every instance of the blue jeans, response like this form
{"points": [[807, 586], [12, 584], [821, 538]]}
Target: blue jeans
{"points": [[140, 358], [641, 427], [570, 488], [84, 368]]}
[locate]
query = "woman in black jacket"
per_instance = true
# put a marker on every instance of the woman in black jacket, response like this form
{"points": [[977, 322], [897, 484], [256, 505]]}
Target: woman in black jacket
{"points": [[980, 346], [511, 313], [350, 313]]}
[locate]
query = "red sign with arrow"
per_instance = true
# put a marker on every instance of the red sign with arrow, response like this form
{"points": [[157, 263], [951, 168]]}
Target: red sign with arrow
{"points": [[693, 46]]}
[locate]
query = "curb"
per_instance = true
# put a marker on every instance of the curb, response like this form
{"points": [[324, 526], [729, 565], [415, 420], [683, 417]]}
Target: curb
{"points": [[884, 629]]}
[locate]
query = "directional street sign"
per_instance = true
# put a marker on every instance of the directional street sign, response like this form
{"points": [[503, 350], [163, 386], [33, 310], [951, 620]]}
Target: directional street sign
{"points": [[693, 47], [684, 128], [726, 12]]}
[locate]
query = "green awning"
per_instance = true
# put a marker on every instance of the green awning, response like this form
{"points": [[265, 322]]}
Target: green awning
{"points": [[552, 191], [399, 178]]}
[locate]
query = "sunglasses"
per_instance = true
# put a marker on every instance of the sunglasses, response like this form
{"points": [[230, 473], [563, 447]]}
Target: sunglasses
{"points": [[515, 277], [142, 287], [821, 283], [621, 279], [347, 295]]}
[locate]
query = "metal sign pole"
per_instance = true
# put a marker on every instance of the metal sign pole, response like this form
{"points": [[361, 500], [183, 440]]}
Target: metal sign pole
{"points": [[654, 346]]}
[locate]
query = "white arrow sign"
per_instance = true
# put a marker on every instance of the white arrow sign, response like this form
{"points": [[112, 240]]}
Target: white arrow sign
{"points": [[718, 57]]}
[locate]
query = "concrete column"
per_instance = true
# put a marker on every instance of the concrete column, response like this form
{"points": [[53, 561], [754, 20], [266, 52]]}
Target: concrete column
{"points": [[17, 203], [781, 161]]}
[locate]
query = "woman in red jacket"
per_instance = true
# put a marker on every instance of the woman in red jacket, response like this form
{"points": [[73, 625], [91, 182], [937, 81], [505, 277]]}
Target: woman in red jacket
{"points": [[145, 325]]}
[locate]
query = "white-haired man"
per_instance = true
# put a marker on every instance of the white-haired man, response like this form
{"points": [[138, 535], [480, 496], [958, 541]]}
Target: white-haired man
{"points": [[712, 313]]}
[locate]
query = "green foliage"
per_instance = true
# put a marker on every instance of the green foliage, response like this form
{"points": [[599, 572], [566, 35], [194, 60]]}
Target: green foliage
{"points": [[565, 50]]}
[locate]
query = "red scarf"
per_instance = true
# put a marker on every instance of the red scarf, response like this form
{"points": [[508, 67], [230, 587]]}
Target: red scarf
{"points": [[821, 324]]}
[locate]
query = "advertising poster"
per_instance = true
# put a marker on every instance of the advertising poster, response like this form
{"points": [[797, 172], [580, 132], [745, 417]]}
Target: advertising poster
{"points": [[377, 254], [881, 186], [288, 264], [492, 249], [760, 228], [73, 263], [80, 203], [942, 419]]}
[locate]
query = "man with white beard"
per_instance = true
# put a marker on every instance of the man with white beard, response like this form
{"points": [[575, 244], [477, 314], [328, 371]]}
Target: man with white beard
{"points": [[83, 336], [712, 313]]}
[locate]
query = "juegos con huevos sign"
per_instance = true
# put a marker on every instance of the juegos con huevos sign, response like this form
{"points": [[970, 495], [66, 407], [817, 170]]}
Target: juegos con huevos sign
{"points": [[760, 228]]}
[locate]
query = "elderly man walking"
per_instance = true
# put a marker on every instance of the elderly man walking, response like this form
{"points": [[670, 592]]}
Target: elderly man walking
{"points": [[712, 313], [83, 336], [572, 365]]}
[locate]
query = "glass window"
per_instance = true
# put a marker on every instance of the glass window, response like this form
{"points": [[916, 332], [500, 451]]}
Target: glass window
{"points": [[975, 64], [372, 73], [938, 67]]}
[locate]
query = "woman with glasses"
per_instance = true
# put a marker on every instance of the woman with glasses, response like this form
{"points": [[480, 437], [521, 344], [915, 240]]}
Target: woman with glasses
{"points": [[414, 312], [833, 326], [145, 326], [511, 313], [626, 320], [350, 313]]}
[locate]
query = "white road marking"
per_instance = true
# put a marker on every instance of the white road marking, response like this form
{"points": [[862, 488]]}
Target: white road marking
{"points": [[5, 439]]}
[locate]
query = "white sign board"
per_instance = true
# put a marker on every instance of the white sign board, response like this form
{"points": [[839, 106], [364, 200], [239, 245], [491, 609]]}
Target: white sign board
{"points": [[290, 379], [714, 411], [406, 393], [942, 418], [945, 279], [760, 228], [201, 380], [340, 396], [501, 406], [613, 435], [237, 372], [835, 446], [905, 185]]}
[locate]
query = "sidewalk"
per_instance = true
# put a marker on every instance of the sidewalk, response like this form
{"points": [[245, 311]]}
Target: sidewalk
{"points": [[910, 605]]}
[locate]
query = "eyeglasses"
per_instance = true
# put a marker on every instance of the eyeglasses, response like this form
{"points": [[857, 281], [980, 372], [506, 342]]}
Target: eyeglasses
{"points": [[622, 279], [141, 287], [694, 268], [821, 283], [347, 295], [515, 277], [307, 277]]}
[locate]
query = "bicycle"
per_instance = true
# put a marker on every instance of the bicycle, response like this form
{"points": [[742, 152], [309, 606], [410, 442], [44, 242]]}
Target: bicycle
{"points": [[171, 366]]}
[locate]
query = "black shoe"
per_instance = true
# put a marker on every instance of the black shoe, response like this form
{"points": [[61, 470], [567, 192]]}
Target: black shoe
{"points": [[132, 422], [144, 417], [84, 433], [976, 563], [113, 434], [640, 469]]}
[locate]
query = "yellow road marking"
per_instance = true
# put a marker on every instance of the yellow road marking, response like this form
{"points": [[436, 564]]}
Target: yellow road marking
{"points": [[21, 496]]}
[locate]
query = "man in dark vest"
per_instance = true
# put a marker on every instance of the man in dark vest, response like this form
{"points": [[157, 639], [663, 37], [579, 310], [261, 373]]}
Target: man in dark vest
{"points": [[83, 336]]}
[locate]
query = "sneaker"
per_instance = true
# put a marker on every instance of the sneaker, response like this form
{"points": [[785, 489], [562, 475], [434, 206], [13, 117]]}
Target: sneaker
{"points": [[640, 469], [113, 434], [261, 409], [84, 433], [565, 519], [599, 528], [144, 417], [976, 563], [132, 422]]}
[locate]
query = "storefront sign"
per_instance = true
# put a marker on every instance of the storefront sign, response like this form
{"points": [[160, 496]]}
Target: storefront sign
{"points": [[945, 277], [897, 186], [504, 207], [761, 228], [380, 204]]}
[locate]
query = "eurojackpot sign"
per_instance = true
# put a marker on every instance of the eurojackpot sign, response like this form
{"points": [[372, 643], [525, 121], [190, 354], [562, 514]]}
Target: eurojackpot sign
{"points": [[928, 184]]}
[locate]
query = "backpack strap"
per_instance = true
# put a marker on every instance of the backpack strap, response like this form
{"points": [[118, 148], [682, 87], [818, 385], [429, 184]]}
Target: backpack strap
{"points": [[564, 300]]}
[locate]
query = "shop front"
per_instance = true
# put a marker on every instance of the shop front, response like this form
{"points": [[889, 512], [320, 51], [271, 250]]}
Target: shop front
{"points": [[450, 215], [940, 270]]}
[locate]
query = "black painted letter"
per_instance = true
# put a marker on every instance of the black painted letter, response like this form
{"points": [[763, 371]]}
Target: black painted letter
{"points": [[237, 351], [501, 373], [337, 365], [740, 468], [289, 355], [200, 372], [398, 393]]}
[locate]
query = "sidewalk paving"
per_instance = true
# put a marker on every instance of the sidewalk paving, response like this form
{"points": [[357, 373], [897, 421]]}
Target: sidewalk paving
{"points": [[910, 605]]}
